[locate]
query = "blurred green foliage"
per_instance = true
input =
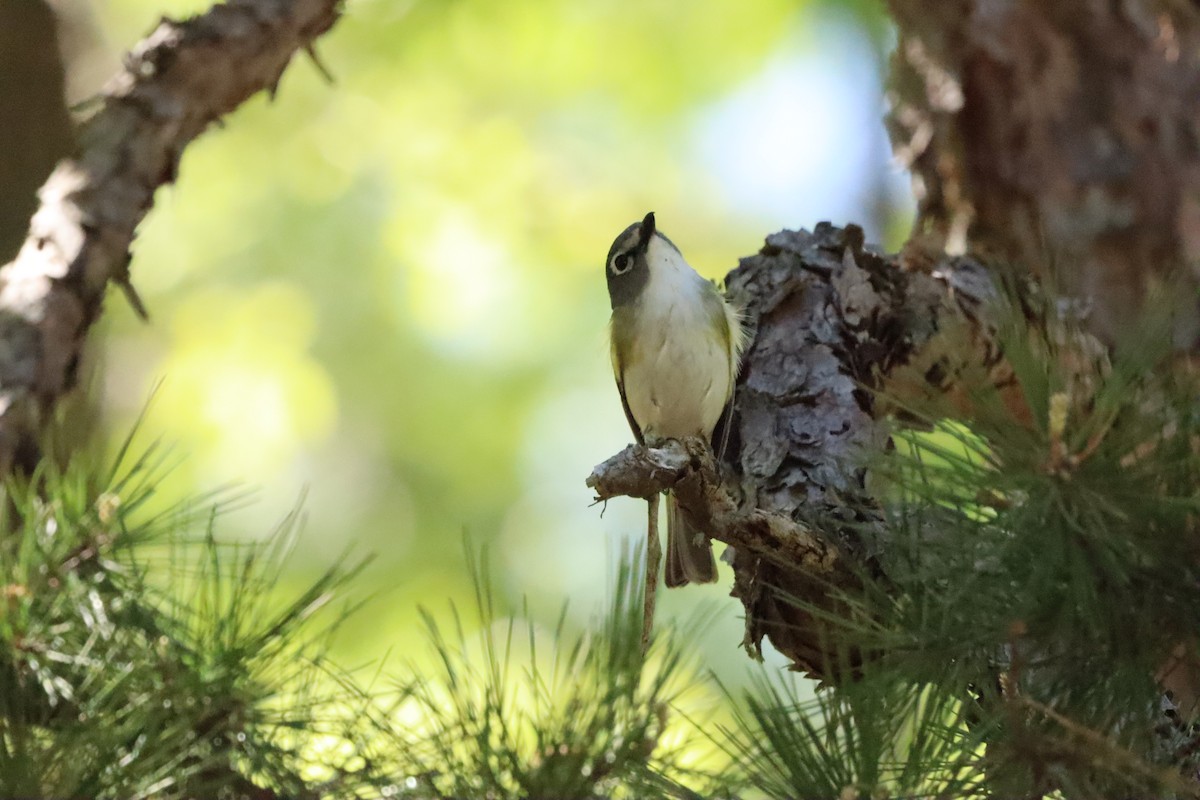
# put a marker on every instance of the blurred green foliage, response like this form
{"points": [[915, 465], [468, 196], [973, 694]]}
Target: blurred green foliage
{"points": [[386, 292]]}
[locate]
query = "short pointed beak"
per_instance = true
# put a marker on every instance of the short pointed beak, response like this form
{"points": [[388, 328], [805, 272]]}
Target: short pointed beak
{"points": [[647, 230]]}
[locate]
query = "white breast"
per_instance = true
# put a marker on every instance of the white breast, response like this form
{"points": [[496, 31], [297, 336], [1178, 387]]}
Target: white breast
{"points": [[680, 373]]}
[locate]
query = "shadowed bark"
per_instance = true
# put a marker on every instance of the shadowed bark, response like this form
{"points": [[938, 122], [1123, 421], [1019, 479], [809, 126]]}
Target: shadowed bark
{"points": [[1060, 135], [37, 130]]}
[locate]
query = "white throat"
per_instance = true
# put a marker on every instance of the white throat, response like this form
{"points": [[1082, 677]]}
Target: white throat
{"points": [[669, 272], [680, 373]]}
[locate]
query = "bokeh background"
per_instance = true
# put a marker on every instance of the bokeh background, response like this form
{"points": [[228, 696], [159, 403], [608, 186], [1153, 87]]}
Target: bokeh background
{"points": [[387, 294]]}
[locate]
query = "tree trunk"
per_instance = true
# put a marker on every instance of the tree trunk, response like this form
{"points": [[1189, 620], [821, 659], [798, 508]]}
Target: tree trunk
{"points": [[1058, 135]]}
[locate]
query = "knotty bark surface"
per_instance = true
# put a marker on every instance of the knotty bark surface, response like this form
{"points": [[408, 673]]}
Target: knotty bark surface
{"points": [[1058, 135]]}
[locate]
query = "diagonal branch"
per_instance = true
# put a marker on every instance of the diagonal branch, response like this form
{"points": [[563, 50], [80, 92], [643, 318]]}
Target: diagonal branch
{"points": [[179, 80], [689, 469], [795, 553]]}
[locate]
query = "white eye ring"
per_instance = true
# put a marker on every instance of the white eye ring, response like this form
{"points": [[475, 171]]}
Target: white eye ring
{"points": [[621, 263]]}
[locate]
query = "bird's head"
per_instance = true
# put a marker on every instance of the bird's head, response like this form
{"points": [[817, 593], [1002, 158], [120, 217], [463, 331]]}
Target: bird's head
{"points": [[632, 257]]}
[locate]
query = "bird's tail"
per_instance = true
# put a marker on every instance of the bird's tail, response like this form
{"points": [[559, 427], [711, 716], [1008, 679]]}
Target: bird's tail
{"points": [[689, 552]]}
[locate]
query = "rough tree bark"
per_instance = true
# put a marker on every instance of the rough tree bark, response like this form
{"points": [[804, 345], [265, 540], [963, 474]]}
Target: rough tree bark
{"points": [[1063, 133], [178, 81]]}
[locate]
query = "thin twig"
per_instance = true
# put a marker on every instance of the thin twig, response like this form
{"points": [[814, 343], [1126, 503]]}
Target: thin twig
{"points": [[653, 559], [688, 470], [1108, 752]]}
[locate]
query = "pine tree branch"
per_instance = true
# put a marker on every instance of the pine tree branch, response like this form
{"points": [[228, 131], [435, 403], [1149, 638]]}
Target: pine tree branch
{"points": [[689, 469], [179, 80]]}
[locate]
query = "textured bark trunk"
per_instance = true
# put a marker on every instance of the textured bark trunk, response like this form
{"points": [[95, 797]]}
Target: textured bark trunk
{"points": [[1058, 135]]}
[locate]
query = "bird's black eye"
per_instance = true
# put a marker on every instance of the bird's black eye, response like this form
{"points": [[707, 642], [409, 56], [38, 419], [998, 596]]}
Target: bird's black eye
{"points": [[621, 263]]}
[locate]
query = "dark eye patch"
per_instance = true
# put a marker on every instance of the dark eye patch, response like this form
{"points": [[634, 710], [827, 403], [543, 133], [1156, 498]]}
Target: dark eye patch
{"points": [[621, 263]]}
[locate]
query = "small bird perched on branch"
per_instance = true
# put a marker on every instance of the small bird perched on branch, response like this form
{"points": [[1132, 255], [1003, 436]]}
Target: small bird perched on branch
{"points": [[676, 346]]}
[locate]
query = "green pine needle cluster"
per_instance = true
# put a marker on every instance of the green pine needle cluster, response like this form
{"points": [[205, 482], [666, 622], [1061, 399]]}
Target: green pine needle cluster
{"points": [[876, 737], [140, 658], [509, 714], [1040, 578]]}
